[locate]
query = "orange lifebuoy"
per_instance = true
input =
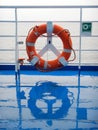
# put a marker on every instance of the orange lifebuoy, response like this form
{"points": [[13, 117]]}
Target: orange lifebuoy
{"points": [[35, 57]]}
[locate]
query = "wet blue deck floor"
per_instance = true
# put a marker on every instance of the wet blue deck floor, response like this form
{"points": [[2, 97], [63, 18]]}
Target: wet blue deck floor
{"points": [[60, 100]]}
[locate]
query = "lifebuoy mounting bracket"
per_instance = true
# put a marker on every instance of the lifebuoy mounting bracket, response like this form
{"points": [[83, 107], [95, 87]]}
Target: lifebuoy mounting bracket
{"points": [[49, 32]]}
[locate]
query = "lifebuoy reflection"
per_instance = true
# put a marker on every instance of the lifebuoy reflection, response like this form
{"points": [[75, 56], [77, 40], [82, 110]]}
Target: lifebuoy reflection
{"points": [[48, 100]]}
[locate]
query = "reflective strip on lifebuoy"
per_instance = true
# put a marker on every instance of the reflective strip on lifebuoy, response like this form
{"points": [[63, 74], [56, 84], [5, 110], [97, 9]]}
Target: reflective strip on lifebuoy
{"points": [[35, 58]]}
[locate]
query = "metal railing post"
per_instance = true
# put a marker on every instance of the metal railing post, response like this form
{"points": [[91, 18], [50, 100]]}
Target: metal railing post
{"points": [[79, 67], [17, 66]]}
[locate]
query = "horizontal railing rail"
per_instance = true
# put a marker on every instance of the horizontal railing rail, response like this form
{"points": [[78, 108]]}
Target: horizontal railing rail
{"points": [[17, 36]]}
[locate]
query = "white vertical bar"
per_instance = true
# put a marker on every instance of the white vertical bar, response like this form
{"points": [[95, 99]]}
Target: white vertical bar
{"points": [[80, 39], [17, 67], [16, 40], [49, 32], [79, 68], [49, 28]]}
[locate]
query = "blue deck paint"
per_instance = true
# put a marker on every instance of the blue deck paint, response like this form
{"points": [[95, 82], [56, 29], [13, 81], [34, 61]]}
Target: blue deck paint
{"points": [[58, 100]]}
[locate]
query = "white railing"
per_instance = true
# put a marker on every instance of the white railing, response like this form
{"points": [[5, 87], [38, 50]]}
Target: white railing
{"points": [[18, 19]]}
